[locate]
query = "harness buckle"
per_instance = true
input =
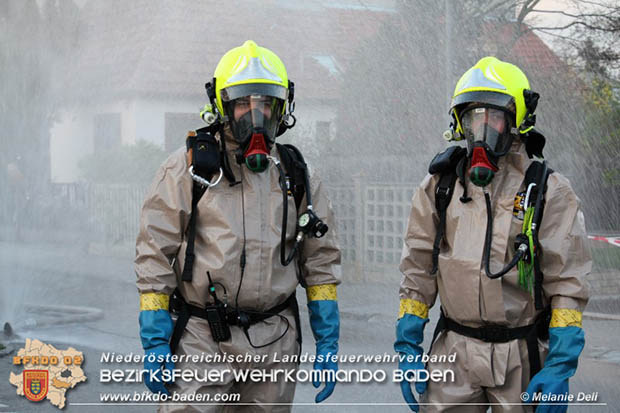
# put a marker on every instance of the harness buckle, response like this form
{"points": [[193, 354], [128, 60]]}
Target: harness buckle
{"points": [[442, 191]]}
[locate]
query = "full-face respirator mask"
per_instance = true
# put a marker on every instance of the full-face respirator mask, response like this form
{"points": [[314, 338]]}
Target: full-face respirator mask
{"points": [[489, 133], [254, 113]]}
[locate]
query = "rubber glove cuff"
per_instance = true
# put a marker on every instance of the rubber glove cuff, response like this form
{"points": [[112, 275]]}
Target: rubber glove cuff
{"points": [[325, 324], [155, 328], [409, 337], [565, 346]]}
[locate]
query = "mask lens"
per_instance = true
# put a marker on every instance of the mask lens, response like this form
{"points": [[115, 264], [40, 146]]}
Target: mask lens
{"points": [[488, 125], [248, 114]]}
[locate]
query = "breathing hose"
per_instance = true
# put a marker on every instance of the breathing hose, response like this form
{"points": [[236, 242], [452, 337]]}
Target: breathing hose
{"points": [[488, 239], [286, 260], [242, 265]]}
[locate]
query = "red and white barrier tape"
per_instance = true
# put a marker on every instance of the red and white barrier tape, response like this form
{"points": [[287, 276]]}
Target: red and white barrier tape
{"points": [[610, 240]]}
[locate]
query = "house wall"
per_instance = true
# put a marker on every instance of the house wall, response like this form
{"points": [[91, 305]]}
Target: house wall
{"points": [[73, 136], [149, 118], [70, 139]]}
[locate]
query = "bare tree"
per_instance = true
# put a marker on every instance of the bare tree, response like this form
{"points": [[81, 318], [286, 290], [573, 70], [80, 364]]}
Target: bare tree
{"points": [[397, 90], [590, 37]]}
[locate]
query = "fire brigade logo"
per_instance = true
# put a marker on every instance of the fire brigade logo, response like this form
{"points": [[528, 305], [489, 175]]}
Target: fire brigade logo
{"points": [[35, 384], [57, 372]]}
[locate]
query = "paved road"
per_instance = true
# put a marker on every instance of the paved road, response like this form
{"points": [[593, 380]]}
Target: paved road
{"points": [[43, 274]]}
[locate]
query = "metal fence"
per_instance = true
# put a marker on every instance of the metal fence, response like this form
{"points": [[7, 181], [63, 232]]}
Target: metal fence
{"points": [[107, 214], [115, 212], [372, 219]]}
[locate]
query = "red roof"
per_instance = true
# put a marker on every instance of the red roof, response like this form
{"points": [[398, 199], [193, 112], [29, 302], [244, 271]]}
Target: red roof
{"points": [[171, 48], [528, 50]]}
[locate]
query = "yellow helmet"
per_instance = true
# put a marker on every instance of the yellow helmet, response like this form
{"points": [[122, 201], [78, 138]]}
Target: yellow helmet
{"points": [[496, 83], [250, 69]]}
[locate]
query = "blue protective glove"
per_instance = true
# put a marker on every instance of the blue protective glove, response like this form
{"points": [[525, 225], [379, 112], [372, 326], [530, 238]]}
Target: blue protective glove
{"points": [[565, 345], [155, 331], [409, 337], [325, 323]]}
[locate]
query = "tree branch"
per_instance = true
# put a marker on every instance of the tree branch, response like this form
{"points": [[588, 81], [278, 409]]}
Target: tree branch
{"points": [[577, 23], [599, 4], [576, 16], [527, 8]]}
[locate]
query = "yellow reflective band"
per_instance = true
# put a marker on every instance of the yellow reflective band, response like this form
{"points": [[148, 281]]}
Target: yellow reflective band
{"points": [[414, 307], [154, 301], [322, 292], [563, 317]]}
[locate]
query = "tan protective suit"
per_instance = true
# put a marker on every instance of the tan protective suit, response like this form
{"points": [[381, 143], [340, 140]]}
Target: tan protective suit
{"points": [[491, 372], [160, 255]]}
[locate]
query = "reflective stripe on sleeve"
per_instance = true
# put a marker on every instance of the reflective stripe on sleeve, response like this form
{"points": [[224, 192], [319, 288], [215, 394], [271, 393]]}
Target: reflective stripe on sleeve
{"points": [[154, 301], [322, 292], [414, 307], [563, 317]]}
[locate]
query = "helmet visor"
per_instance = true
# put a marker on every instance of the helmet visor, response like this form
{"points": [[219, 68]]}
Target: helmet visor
{"points": [[266, 89], [254, 114], [488, 125], [501, 100]]}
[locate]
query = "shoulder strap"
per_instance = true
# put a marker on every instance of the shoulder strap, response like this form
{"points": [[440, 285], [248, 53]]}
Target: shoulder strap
{"points": [[537, 173], [220, 158], [197, 192], [443, 196], [203, 153], [204, 156], [296, 169], [534, 175], [444, 163]]}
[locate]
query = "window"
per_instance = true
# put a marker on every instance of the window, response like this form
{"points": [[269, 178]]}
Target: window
{"points": [[177, 126], [107, 130]]}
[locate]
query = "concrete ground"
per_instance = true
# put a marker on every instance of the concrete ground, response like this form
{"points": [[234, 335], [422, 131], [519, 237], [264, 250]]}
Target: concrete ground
{"points": [[68, 275]]}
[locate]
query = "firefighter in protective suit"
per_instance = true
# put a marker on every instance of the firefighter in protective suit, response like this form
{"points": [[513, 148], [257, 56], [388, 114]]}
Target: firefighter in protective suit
{"points": [[509, 265], [238, 299]]}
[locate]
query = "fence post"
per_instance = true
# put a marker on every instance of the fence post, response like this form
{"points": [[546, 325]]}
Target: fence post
{"points": [[359, 202]]}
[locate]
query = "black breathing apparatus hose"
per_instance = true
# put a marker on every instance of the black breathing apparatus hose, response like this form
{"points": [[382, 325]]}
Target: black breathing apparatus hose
{"points": [[242, 264], [284, 259], [488, 239], [523, 246]]}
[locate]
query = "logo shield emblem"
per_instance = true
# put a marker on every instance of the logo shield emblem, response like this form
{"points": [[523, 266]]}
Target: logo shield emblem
{"points": [[36, 384]]}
